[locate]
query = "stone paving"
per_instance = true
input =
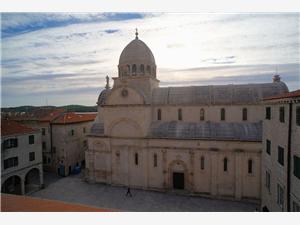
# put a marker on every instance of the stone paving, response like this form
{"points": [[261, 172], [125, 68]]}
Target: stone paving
{"points": [[74, 189]]}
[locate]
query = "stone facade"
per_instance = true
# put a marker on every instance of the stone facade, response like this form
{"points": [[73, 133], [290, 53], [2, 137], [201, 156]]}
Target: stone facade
{"points": [[21, 159], [281, 191], [202, 140], [69, 144]]}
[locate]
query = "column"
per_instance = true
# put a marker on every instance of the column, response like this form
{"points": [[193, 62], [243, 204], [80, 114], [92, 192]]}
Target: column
{"points": [[41, 177], [23, 186]]}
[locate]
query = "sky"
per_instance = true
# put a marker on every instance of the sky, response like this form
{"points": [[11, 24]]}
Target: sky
{"points": [[63, 58]]}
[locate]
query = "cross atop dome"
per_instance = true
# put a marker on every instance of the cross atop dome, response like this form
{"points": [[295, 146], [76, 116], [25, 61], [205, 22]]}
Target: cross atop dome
{"points": [[136, 33]]}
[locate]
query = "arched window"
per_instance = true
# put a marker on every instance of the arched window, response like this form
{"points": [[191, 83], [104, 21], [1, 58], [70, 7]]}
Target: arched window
{"points": [[155, 160], [142, 69], [159, 114], [245, 114], [222, 114], [202, 162], [136, 159], [250, 166], [179, 114], [148, 70], [133, 69], [128, 70], [225, 164], [201, 114]]}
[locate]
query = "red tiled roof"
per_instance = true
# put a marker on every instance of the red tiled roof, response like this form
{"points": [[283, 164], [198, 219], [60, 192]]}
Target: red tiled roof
{"points": [[291, 94], [42, 115], [9, 127], [74, 118], [17, 203]]}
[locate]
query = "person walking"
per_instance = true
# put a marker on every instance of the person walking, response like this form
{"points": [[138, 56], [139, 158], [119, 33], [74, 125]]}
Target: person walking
{"points": [[128, 192]]}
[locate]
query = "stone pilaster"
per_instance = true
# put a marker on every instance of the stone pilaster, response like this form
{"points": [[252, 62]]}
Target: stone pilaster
{"points": [[238, 174], [191, 174], [214, 172], [165, 168]]}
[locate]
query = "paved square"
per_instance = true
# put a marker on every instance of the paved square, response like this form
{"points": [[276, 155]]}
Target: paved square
{"points": [[74, 189]]}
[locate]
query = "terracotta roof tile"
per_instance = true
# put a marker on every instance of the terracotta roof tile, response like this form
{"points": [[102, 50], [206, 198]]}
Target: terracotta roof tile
{"points": [[9, 127], [74, 118], [16, 203], [43, 115], [292, 94]]}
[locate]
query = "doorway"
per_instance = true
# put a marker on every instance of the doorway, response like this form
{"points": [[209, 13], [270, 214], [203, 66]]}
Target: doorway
{"points": [[178, 180]]}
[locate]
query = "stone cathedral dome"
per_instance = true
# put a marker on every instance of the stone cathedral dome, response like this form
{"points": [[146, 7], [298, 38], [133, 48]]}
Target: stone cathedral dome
{"points": [[137, 59]]}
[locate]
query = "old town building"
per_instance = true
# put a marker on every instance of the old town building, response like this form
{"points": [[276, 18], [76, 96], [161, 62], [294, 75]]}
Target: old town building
{"points": [[21, 158], [63, 137], [281, 153], [201, 140], [69, 140], [41, 119]]}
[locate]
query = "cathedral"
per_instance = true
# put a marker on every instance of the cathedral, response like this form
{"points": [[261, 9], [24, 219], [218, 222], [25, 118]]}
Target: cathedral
{"points": [[197, 140]]}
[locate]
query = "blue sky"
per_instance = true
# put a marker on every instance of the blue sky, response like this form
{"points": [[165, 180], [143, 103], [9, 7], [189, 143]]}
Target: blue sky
{"points": [[63, 58]]}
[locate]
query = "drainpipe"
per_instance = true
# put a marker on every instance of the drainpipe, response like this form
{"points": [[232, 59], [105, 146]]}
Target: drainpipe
{"points": [[288, 185]]}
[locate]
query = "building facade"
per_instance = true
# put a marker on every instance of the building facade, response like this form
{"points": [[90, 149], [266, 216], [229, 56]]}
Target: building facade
{"points": [[63, 137], [21, 158], [41, 119], [70, 141], [281, 153], [201, 140]]}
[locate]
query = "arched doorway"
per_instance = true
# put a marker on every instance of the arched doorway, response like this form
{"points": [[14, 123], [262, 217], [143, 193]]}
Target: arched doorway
{"points": [[178, 175], [32, 180], [12, 185]]}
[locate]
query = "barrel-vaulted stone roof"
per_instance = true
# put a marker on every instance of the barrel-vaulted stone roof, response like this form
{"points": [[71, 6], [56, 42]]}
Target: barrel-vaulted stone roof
{"points": [[97, 129], [244, 131], [217, 94]]}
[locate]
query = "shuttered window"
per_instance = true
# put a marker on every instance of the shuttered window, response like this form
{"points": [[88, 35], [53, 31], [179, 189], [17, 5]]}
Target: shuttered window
{"points": [[281, 155], [297, 166]]}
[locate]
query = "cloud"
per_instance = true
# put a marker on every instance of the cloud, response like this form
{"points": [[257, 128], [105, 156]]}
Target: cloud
{"points": [[20, 23], [44, 54]]}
